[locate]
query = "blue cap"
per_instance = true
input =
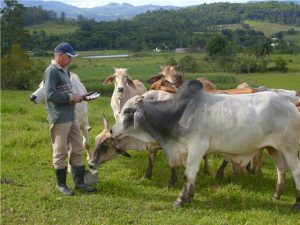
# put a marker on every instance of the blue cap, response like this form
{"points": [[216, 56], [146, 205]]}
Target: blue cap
{"points": [[65, 48]]}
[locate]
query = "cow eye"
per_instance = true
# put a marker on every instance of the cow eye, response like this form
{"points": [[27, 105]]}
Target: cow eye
{"points": [[104, 145], [128, 110]]}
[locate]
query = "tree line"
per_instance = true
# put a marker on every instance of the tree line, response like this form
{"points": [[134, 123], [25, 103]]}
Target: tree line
{"points": [[191, 27], [198, 27]]}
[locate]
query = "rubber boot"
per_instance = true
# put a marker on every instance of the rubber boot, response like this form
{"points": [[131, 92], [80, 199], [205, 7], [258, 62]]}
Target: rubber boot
{"points": [[78, 177], [61, 176]]}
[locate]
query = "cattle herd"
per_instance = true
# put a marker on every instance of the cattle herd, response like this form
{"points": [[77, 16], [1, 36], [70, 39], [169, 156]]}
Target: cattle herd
{"points": [[189, 120]]}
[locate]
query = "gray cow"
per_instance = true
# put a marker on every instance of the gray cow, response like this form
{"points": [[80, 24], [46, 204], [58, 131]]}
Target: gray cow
{"points": [[195, 123]]}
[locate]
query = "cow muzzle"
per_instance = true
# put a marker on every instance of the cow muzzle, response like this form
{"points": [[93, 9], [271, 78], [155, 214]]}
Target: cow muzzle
{"points": [[92, 166], [32, 98]]}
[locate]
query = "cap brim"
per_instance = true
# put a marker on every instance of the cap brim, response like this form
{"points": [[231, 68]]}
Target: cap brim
{"points": [[72, 55]]}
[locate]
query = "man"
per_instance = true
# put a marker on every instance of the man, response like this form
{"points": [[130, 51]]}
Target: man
{"points": [[65, 133]]}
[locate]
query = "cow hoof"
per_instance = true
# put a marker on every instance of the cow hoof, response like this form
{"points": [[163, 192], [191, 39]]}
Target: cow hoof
{"points": [[145, 178], [297, 206], [276, 196], [172, 184], [178, 204], [219, 176]]}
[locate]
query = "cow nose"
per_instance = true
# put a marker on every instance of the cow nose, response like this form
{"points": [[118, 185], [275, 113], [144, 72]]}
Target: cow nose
{"points": [[120, 89], [92, 166], [32, 98]]}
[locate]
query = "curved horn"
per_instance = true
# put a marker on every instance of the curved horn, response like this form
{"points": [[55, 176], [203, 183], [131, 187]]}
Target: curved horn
{"points": [[105, 121]]}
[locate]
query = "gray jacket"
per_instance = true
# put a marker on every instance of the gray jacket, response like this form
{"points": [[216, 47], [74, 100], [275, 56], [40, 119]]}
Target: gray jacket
{"points": [[58, 94]]}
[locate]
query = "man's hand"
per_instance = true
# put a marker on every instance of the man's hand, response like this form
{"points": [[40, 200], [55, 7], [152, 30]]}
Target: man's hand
{"points": [[76, 98], [90, 96], [84, 97]]}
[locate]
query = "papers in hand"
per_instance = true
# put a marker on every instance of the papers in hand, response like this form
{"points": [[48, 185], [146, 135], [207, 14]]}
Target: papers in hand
{"points": [[91, 96]]}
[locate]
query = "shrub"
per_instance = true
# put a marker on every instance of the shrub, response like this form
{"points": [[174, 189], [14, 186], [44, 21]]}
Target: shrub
{"points": [[18, 71], [189, 64], [281, 65], [171, 61]]}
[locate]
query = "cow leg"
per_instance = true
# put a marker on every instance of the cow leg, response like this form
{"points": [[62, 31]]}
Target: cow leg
{"points": [[86, 143], [191, 170], [258, 161], [293, 162], [206, 169], [255, 165], [173, 180], [281, 170], [152, 156], [220, 171], [236, 169]]}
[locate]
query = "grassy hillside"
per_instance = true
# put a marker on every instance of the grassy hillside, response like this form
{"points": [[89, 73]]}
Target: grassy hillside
{"points": [[53, 28], [270, 28]]}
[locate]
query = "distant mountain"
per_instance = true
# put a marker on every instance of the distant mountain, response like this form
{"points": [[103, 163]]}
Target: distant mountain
{"points": [[109, 12]]}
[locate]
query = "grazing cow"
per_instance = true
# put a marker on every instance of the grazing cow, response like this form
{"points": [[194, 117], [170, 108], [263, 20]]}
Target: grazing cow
{"points": [[125, 88], [106, 148], [81, 110], [195, 123]]}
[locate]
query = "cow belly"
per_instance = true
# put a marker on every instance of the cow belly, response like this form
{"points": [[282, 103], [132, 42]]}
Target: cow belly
{"points": [[176, 153], [236, 141]]}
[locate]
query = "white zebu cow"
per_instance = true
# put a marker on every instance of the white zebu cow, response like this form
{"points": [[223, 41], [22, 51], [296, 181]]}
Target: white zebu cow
{"points": [[125, 88], [195, 123], [81, 110]]}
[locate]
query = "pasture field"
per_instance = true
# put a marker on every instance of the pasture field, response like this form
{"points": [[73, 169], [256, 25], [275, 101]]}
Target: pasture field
{"points": [[270, 28], [53, 28], [146, 64], [28, 194]]}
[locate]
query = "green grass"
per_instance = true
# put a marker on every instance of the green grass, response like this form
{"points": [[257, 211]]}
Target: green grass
{"points": [[270, 28], [53, 28], [28, 194]]}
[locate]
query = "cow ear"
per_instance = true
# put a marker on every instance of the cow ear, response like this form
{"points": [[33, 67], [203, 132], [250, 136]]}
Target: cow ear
{"points": [[105, 122], [122, 152], [155, 78], [137, 118], [110, 79], [131, 83], [138, 99]]}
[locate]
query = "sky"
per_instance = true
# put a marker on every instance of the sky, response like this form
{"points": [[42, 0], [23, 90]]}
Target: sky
{"points": [[94, 3]]}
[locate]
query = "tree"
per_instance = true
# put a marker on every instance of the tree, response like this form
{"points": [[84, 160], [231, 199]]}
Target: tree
{"points": [[18, 71], [264, 49], [12, 25], [281, 65], [63, 17], [217, 45]]}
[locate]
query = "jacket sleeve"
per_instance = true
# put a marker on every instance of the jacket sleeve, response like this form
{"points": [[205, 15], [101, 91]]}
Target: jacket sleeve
{"points": [[52, 94]]}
